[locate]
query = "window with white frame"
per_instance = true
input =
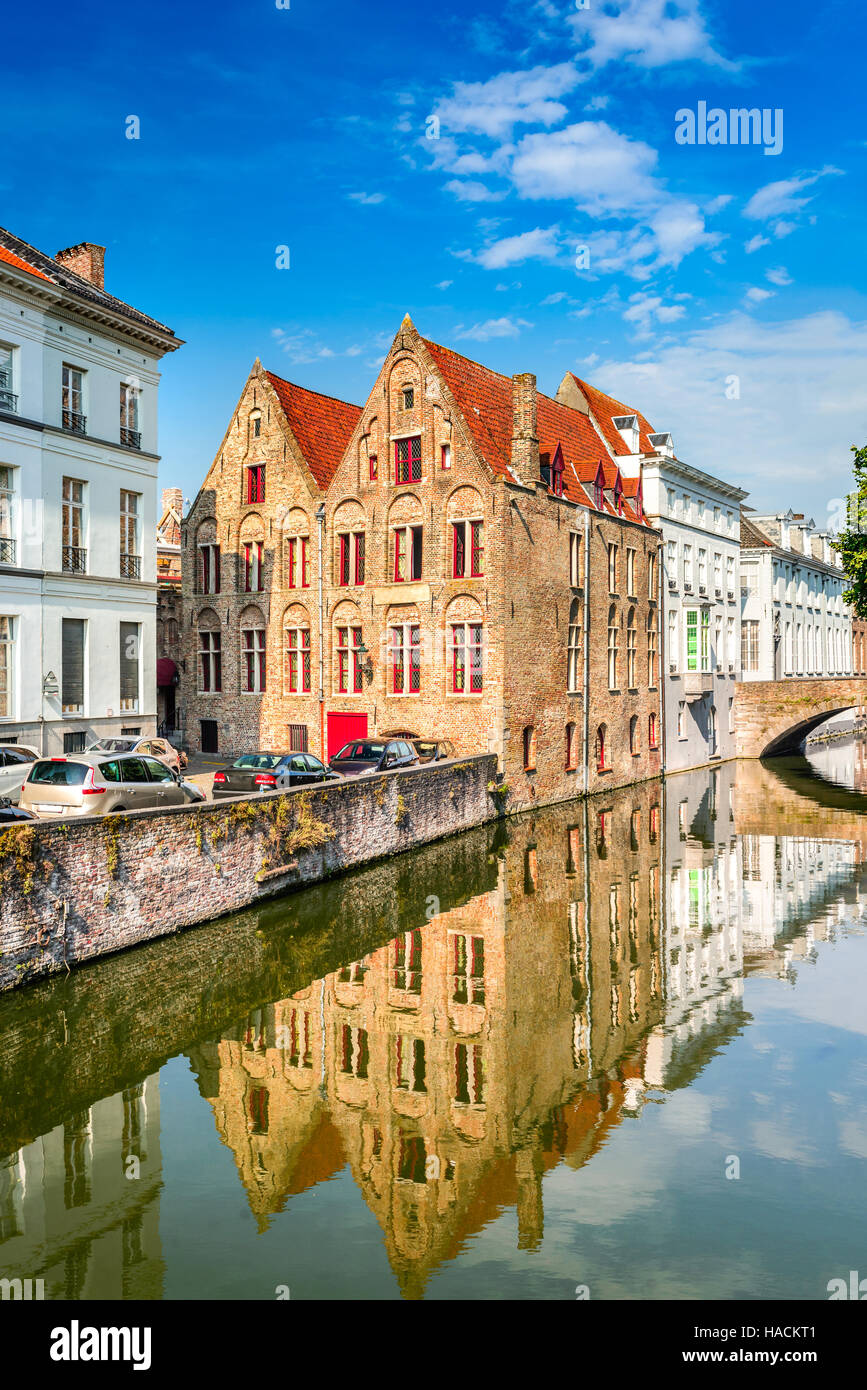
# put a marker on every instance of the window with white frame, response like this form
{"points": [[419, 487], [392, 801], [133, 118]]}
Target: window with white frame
{"points": [[253, 671], [730, 641], [8, 401], [74, 557], [651, 575], [630, 570], [719, 654], [730, 574], [130, 429], [574, 559], [702, 570], [612, 568], [697, 639], [7, 516], [673, 653], [573, 667], [72, 399], [681, 718], [72, 665], [407, 551], [210, 665], [130, 535], [7, 664], [409, 1063], [687, 565], [652, 655], [130, 663], [631, 650], [749, 645], [209, 569], [469, 1073], [613, 640]]}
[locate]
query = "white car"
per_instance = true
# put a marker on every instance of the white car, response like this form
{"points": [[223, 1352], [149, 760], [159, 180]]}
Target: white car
{"points": [[16, 760], [151, 747]]}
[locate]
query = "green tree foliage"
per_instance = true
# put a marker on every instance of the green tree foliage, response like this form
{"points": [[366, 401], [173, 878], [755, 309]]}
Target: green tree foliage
{"points": [[852, 543]]}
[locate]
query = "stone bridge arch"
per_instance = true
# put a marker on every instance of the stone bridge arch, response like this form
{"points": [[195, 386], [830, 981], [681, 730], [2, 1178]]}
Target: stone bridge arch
{"points": [[773, 718]]}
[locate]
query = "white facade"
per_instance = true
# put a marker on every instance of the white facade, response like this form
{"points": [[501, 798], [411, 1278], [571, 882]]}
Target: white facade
{"points": [[699, 517], [794, 620], [78, 506]]}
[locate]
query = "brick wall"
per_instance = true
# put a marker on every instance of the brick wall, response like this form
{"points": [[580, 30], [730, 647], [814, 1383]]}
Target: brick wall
{"points": [[86, 888]]}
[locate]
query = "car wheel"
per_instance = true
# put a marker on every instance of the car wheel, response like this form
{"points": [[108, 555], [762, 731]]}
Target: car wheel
{"points": [[114, 810]]}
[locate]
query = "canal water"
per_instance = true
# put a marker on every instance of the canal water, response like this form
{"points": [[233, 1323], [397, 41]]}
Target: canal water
{"points": [[614, 1049]]}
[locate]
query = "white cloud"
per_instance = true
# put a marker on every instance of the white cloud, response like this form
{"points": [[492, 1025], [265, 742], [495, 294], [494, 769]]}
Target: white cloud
{"points": [[471, 191], [493, 328], [444, 284], [604, 172], [649, 33], [597, 103], [679, 229], [778, 275], [782, 198], [644, 309], [755, 295], [755, 243], [554, 298], [541, 244], [494, 107], [779, 453], [367, 199]]}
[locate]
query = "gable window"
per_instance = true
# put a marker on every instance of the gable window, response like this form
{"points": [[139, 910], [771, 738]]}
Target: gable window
{"points": [[130, 430], [574, 559], [613, 639], [253, 660], [255, 424], [7, 634], [462, 533], [599, 493], [374, 471], [130, 556], [255, 491], [573, 663], [209, 569], [612, 568], [210, 661], [349, 674], [253, 577], [296, 660], [405, 651], [445, 456], [407, 553], [407, 459], [408, 397], [466, 658], [298, 562], [350, 565], [72, 400]]}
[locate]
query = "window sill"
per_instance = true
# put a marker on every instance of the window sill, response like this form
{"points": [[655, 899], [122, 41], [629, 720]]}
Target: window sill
{"points": [[602, 770], [529, 769]]}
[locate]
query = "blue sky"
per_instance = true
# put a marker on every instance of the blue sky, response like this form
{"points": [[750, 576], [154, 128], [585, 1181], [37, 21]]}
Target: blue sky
{"points": [[310, 128]]}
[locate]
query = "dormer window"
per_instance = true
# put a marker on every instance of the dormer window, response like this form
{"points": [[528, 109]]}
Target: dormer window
{"points": [[663, 444], [408, 397], [599, 493], [627, 428]]}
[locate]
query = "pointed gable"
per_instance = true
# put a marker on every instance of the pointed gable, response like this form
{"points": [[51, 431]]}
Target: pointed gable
{"points": [[484, 398], [322, 425], [604, 408]]}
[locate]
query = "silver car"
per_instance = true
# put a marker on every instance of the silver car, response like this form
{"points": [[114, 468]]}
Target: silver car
{"points": [[16, 760], [94, 784]]}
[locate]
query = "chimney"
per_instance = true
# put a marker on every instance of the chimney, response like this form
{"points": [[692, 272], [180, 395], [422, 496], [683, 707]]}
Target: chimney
{"points": [[525, 439], [86, 259], [173, 497]]}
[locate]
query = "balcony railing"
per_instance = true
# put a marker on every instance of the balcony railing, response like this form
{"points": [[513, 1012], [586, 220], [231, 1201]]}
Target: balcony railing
{"points": [[74, 560], [8, 400], [75, 423], [130, 567], [131, 438], [8, 549]]}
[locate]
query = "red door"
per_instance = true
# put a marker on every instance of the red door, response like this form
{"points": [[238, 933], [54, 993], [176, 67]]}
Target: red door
{"points": [[343, 727]]}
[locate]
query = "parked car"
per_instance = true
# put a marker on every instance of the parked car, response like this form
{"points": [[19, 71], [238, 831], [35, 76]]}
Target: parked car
{"points": [[12, 815], [268, 772], [372, 755], [433, 750], [91, 784], [150, 747], [16, 760], [191, 790]]}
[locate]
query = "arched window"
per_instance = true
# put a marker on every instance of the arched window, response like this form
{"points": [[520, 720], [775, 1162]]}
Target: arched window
{"points": [[634, 740], [613, 636], [571, 746], [602, 748], [631, 649], [210, 653], [529, 749], [296, 652], [652, 731], [651, 649], [253, 660], [255, 424], [573, 664]]}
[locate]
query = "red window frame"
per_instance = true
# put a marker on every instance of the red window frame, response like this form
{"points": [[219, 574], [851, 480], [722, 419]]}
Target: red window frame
{"points": [[359, 549], [459, 546], [407, 459], [347, 645], [248, 567], [652, 731], [256, 482], [407, 555], [298, 646], [601, 748], [305, 562], [209, 554], [467, 656], [343, 560], [477, 549], [292, 544], [210, 661], [373, 467], [405, 659], [253, 653]]}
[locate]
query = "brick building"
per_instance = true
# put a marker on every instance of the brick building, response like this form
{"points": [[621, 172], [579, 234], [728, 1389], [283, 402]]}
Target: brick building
{"points": [[459, 558], [169, 608]]}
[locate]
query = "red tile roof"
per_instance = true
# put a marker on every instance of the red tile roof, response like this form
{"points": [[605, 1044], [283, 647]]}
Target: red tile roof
{"points": [[604, 408], [11, 259], [751, 537], [484, 398], [322, 425]]}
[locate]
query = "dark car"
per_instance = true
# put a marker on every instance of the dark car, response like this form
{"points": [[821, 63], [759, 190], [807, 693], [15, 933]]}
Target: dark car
{"points": [[373, 755], [433, 750], [12, 815], [268, 772]]}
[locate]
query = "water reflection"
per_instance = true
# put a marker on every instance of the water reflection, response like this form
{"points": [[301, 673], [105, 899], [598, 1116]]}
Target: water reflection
{"points": [[447, 1028]]}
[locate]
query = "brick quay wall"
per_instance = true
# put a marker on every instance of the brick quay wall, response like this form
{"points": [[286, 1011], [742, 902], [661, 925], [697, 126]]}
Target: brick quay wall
{"points": [[74, 891]]}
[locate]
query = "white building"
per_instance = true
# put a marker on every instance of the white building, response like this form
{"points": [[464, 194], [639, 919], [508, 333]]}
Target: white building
{"points": [[793, 618], [78, 499]]}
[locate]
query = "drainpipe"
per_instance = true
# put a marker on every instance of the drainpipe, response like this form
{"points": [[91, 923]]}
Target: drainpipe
{"points": [[320, 518], [586, 650], [662, 590]]}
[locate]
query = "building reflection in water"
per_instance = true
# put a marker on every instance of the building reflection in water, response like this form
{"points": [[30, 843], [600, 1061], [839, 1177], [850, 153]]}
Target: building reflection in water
{"points": [[597, 965]]}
